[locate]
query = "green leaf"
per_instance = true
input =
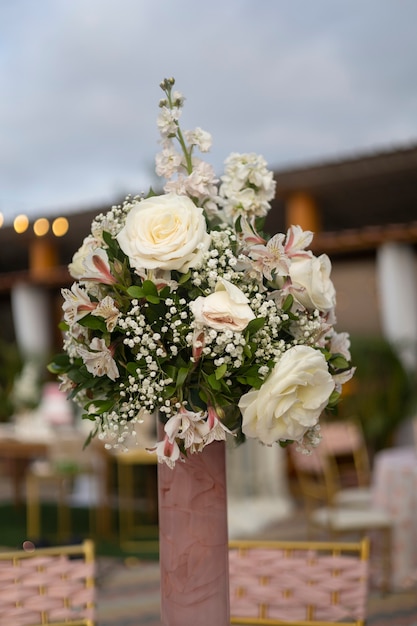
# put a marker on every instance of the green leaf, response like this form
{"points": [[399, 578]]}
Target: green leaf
{"points": [[182, 376], [153, 299], [149, 288], [339, 362], [108, 239], [220, 371], [214, 383], [247, 351], [131, 368], [60, 364], [185, 277], [136, 292], [101, 406], [93, 322], [255, 325], [170, 371], [288, 302], [252, 381], [334, 399]]}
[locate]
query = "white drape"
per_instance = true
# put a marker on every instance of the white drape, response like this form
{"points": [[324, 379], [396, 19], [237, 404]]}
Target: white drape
{"points": [[257, 486], [397, 285], [32, 320]]}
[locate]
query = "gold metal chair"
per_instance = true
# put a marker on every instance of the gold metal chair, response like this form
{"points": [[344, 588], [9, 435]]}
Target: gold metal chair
{"points": [[54, 586], [343, 455], [66, 462], [299, 583], [337, 516]]}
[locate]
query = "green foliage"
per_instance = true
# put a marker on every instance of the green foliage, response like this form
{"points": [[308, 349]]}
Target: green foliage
{"points": [[10, 366], [382, 390]]}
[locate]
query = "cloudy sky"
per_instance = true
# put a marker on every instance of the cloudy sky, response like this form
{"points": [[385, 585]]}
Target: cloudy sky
{"points": [[298, 81]]}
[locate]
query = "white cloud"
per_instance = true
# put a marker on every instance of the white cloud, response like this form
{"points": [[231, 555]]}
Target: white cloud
{"points": [[292, 80]]}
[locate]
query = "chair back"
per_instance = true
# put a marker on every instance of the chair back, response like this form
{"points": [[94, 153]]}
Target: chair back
{"points": [[317, 476], [299, 583], [343, 440], [323, 473], [48, 586]]}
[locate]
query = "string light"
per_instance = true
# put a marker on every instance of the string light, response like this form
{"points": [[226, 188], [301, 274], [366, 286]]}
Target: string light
{"points": [[21, 223], [41, 227], [60, 226]]}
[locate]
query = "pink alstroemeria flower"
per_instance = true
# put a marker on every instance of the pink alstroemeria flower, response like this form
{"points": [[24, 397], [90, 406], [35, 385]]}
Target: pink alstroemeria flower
{"points": [[167, 452], [99, 359], [77, 304], [191, 427], [217, 430], [198, 344], [97, 268], [296, 241]]}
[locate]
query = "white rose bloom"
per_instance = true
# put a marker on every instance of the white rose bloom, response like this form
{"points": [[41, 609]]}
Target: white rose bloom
{"points": [[291, 399], [311, 278], [226, 308], [166, 232]]}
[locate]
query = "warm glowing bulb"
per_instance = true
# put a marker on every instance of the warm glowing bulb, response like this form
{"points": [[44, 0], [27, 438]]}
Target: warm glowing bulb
{"points": [[60, 226], [1, 219], [20, 224], [41, 227]]}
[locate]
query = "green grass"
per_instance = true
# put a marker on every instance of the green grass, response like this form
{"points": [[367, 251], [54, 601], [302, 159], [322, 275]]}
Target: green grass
{"points": [[13, 533]]}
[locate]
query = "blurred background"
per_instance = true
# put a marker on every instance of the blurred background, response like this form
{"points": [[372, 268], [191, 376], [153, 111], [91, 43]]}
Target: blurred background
{"points": [[325, 91]]}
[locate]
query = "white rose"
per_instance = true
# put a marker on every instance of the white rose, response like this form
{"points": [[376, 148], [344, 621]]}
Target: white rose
{"points": [[165, 232], [226, 308], [291, 399], [311, 278]]}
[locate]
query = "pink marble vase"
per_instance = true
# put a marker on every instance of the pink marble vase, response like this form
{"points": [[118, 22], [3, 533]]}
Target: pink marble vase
{"points": [[193, 540]]}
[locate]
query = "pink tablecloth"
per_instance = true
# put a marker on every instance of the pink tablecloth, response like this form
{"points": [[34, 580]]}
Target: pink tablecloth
{"points": [[395, 490]]}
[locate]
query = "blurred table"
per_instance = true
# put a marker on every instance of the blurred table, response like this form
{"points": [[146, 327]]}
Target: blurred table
{"points": [[395, 490], [18, 454]]}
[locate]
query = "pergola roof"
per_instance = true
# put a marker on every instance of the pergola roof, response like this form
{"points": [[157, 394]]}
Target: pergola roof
{"points": [[363, 200], [368, 198]]}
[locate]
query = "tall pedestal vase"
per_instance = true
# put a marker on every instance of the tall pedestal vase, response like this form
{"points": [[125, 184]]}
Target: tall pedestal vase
{"points": [[193, 540]]}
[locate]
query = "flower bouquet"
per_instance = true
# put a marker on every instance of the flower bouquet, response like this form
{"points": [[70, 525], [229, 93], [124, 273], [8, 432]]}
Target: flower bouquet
{"points": [[181, 305], [184, 308]]}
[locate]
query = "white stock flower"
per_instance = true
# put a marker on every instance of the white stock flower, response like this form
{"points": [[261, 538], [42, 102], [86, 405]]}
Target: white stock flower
{"points": [[168, 121], [310, 277], [168, 161], [201, 182], [290, 400], [200, 138], [165, 232], [226, 308], [247, 186]]}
